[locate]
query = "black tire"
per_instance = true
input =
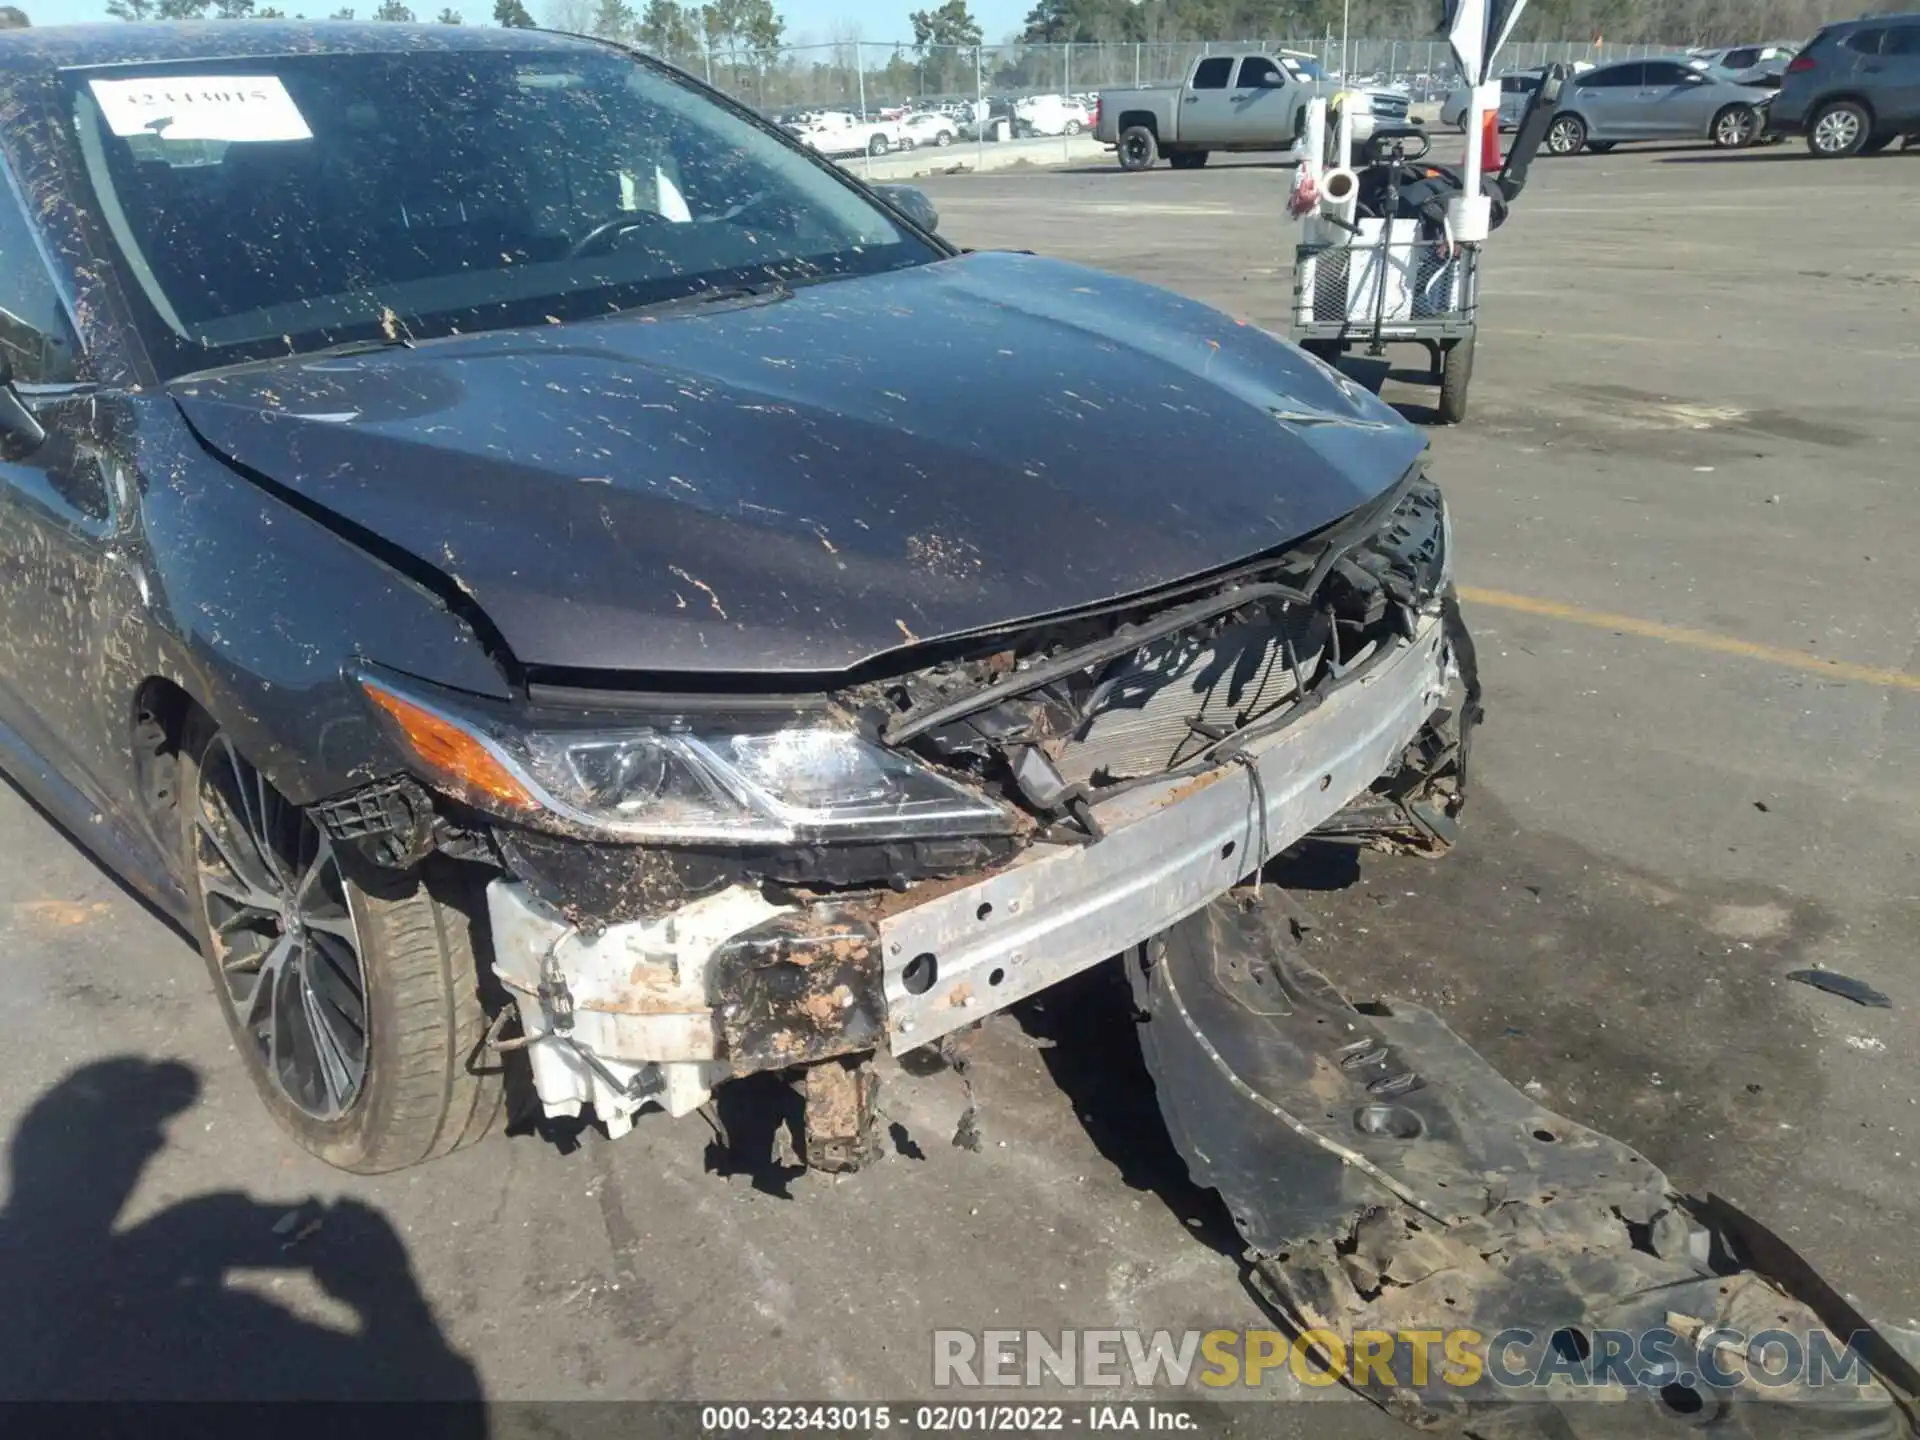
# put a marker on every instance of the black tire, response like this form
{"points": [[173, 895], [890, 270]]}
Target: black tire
{"points": [[1138, 149], [1566, 136], [878, 145], [1839, 129], [1601, 147], [1735, 127], [424, 1089], [1188, 159], [1074, 127], [1456, 374], [943, 139]]}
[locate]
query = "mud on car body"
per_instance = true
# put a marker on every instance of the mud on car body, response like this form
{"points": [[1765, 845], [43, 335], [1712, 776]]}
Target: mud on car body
{"points": [[494, 534], [527, 564]]}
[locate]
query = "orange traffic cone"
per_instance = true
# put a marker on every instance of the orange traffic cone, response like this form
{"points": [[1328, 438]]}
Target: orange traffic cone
{"points": [[1490, 143]]}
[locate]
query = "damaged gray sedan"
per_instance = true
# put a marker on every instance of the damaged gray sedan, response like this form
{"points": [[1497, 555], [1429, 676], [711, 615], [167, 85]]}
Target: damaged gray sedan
{"points": [[567, 571], [531, 566]]}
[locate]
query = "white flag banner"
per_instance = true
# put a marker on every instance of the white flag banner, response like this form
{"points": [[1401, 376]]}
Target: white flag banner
{"points": [[1476, 30]]}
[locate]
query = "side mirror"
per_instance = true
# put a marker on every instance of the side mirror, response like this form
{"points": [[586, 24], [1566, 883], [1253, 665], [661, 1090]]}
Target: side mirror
{"points": [[911, 201], [21, 432]]}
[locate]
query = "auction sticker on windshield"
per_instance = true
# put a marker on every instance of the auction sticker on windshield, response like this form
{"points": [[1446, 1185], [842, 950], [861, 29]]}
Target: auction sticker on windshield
{"points": [[196, 107]]}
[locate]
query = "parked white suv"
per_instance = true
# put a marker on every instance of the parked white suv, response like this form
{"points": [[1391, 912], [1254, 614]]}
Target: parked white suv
{"points": [[1052, 115], [927, 127]]}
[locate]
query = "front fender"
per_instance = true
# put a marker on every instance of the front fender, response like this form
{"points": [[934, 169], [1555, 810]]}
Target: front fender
{"points": [[259, 611]]}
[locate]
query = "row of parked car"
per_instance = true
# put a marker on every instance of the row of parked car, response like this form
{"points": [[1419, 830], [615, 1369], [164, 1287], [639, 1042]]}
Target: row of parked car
{"points": [[842, 132], [1853, 89]]}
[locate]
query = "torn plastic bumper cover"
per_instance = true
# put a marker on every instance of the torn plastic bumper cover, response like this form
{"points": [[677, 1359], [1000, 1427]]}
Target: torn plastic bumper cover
{"points": [[659, 1009], [1387, 1179]]}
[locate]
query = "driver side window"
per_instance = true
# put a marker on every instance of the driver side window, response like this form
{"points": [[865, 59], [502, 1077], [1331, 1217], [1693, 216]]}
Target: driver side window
{"points": [[1615, 77], [1257, 71], [34, 333], [1665, 72]]}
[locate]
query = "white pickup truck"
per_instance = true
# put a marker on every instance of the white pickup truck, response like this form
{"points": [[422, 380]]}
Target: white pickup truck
{"points": [[1231, 102], [838, 133]]}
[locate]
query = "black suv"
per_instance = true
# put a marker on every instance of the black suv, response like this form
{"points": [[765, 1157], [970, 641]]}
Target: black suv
{"points": [[1855, 89]]}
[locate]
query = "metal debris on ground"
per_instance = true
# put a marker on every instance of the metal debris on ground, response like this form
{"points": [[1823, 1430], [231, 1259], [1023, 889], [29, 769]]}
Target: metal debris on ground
{"points": [[1384, 1175], [1845, 986]]}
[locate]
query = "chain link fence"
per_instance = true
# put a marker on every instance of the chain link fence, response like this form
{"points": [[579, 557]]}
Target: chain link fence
{"points": [[865, 77]]}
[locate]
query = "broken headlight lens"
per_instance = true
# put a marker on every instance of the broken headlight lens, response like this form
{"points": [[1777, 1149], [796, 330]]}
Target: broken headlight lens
{"points": [[707, 782]]}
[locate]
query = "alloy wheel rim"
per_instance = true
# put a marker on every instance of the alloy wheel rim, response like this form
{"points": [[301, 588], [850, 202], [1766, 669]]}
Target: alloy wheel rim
{"points": [[285, 937], [1837, 131], [1562, 137], [1735, 128], [1136, 148]]}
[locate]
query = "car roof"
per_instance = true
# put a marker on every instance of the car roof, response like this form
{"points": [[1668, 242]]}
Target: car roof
{"points": [[1864, 21], [59, 47]]}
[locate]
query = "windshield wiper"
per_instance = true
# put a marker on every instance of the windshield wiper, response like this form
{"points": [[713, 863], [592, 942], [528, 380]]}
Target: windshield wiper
{"points": [[765, 290], [363, 347]]}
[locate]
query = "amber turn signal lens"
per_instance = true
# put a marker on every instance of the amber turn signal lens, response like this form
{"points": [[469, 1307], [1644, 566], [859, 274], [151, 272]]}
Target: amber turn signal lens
{"points": [[451, 752]]}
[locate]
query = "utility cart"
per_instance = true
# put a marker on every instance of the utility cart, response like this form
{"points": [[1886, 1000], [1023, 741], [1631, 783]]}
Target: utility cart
{"points": [[1391, 250], [1374, 282]]}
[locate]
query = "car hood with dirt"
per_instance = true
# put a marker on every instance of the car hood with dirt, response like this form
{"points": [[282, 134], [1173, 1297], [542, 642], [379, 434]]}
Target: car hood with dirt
{"points": [[805, 480]]}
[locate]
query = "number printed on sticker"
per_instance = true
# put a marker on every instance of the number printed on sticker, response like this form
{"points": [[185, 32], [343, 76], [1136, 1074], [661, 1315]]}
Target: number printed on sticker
{"points": [[201, 107]]}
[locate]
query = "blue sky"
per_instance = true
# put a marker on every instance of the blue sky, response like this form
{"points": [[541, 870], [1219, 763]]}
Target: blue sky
{"points": [[807, 20]]}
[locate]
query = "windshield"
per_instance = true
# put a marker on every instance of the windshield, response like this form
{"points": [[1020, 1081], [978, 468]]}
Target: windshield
{"points": [[268, 206], [1307, 69]]}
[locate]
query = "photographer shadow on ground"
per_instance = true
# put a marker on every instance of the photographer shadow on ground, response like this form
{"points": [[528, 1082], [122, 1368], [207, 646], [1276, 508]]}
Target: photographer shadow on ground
{"points": [[108, 1305]]}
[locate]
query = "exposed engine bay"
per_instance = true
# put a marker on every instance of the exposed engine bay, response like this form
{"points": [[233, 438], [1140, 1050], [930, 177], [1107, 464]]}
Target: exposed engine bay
{"points": [[1131, 764], [1081, 710]]}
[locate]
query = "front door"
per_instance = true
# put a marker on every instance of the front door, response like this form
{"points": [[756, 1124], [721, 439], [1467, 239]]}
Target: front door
{"points": [[1676, 101], [1260, 99], [59, 571]]}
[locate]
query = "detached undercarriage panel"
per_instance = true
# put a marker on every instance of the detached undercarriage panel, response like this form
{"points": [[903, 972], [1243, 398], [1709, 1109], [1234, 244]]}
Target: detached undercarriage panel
{"points": [[1388, 1180]]}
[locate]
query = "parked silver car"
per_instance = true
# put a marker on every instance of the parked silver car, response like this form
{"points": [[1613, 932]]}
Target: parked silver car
{"points": [[1514, 90], [1660, 99]]}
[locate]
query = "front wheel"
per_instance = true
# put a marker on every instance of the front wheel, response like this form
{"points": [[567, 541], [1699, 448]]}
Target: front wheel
{"points": [[1074, 127], [878, 145], [1567, 135], [1138, 148], [943, 139], [351, 995], [1839, 130], [1736, 127]]}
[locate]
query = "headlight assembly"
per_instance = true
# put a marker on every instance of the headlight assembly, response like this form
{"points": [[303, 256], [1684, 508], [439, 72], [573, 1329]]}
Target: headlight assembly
{"points": [[705, 780]]}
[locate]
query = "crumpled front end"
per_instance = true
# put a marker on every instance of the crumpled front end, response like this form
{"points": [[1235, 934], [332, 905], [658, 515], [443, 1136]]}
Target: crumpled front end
{"points": [[1147, 759]]}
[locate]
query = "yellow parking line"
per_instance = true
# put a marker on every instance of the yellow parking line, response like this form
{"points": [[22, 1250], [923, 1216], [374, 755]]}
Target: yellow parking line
{"points": [[1694, 639]]}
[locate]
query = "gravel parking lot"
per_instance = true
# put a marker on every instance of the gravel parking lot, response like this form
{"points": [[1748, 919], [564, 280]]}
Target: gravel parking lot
{"points": [[1687, 531]]}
